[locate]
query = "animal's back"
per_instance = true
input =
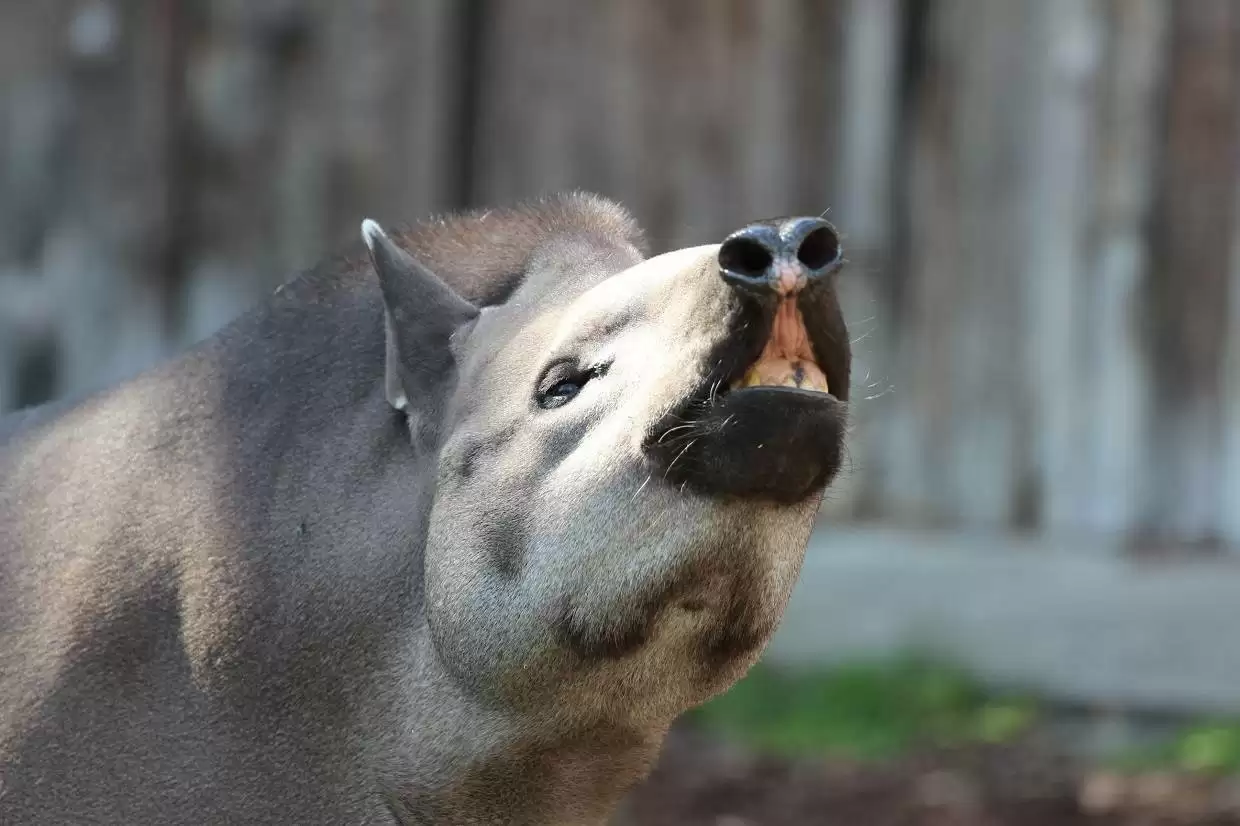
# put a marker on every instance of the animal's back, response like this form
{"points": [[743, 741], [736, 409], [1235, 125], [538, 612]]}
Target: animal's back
{"points": [[137, 575], [87, 599]]}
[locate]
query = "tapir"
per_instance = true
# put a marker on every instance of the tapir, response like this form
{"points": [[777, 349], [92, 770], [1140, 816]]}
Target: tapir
{"points": [[449, 529]]}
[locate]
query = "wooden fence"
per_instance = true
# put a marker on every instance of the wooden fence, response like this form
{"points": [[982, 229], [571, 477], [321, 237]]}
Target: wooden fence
{"points": [[1039, 198]]}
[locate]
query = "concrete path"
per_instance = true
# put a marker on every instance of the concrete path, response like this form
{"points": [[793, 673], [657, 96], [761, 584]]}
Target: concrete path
{"points": [[1075, 623]]}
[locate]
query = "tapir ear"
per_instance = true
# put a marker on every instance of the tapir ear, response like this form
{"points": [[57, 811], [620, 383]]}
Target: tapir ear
{"points": [[420, 314]]}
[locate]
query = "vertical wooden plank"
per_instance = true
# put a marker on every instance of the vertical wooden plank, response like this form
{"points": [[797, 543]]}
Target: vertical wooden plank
{"points": [[247, 86], [867, 114], [1112, 394], [396, 78], [314, 115], [984, 342], [698, 115], [1047, 257], [953, 455], [34, 113], [622, 143], [531, 129], [913, 427], [689, 132], [763, 101], [88, 203], [998, 384], [34, 110], [870, 66], [752, 128], [821, 43], [26, 331], [1229, 489], [1189, 294]]}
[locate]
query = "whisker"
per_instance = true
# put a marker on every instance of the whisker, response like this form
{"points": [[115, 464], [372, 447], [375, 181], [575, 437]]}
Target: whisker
{"points": [[642, 488], [691, 435], [671, 430], [678, 457]]}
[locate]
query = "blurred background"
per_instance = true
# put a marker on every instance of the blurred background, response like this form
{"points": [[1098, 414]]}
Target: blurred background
{"points": [[1034, 549]]}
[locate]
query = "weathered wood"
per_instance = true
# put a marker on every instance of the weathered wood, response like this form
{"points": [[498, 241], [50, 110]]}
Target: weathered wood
{"points": [[1048, 261], [698, 115], [1039, 202], [1112, 391], [313, 114], [1229, 488], [869, 117], [1189, 279], [85, 218], [953, 455]]}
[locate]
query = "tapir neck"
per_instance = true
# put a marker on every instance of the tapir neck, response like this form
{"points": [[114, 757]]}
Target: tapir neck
{"points": [[468, 761]]}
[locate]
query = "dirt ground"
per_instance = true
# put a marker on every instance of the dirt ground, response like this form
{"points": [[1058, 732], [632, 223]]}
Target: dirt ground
{"points": [[702, 782]]}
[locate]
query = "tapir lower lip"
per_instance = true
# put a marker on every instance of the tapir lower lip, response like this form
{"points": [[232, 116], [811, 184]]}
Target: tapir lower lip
{"points": [[782, 444], [775, 390], [764, 441]]}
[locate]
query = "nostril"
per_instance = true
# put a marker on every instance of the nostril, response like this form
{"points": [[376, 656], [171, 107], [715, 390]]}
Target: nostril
{"points": [[745, 256], [820, 248]]}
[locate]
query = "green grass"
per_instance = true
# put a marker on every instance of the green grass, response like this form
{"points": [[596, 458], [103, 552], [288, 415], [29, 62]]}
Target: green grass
{"points": [[1209, 747], [879, 710], [866, 711]]}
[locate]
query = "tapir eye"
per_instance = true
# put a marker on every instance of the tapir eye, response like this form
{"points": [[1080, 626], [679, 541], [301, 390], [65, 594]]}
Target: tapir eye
{"points": [[562, 383], [560, 393]]}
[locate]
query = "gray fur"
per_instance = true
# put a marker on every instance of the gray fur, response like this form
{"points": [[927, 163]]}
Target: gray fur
{"points": [[235, 590]]}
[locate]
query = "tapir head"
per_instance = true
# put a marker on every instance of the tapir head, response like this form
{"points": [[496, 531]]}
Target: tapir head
{"points": [[630, 451]]}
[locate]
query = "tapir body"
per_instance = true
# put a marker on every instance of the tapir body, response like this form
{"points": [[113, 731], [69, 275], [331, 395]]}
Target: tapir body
{"points": [[448, 530]]}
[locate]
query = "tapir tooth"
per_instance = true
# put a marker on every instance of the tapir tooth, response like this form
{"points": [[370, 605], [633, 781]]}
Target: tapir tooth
{"points": [[781, 373]]}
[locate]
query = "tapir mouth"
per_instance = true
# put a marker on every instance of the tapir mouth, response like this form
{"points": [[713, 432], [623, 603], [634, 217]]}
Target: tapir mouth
{"points": [[779, 344], [768, 419], [787, 359]]}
